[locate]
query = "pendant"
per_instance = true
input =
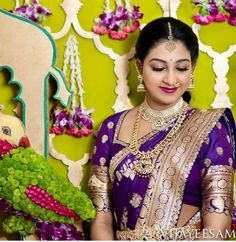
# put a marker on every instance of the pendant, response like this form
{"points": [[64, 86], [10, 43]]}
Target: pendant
{"points": [[144, 167]]}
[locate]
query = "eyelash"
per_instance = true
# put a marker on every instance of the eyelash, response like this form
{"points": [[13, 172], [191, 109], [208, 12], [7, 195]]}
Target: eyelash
{"points": [[163, 68]]}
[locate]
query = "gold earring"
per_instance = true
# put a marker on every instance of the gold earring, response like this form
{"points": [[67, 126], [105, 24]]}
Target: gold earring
{"points": [[191, 85], [140, 87]]}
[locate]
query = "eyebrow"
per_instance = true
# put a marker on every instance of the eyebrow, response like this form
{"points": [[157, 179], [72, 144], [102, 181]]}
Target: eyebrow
{"points": [[178, 61]]}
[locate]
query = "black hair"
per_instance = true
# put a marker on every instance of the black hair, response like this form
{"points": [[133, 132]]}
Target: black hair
{"points": [[157, 30]]}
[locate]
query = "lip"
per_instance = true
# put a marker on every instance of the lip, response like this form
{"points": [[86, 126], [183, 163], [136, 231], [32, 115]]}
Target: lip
{"points": [[169, 90]]}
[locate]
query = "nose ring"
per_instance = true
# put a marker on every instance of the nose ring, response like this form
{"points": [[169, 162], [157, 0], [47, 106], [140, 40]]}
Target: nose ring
{"points": [[176, 84]]}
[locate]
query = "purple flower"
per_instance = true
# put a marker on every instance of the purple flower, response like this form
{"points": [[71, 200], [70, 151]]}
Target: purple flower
{"points": [[213, 10], [35, 13], [230, 6], [136, 14]]}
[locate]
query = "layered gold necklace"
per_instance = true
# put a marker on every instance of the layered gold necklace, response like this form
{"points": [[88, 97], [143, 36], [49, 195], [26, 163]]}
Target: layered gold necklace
{"points": [[160, 120], [145, 161]]}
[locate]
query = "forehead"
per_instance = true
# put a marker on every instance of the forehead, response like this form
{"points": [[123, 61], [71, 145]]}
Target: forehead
{"points": [[159, 51]]}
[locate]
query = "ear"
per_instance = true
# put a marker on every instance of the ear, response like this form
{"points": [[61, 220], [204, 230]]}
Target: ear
{"points": [[139, 66]]}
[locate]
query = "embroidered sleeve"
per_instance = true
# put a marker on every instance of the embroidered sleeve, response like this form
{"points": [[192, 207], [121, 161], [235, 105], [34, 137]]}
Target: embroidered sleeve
{"points": [[99, 183], [100, 188], [218, 158], [218, 190]]}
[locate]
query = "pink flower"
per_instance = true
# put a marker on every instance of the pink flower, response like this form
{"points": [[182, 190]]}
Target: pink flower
{"points": [[199, 19], [55, 130], [86, 132], [79, 133], [232, 20], [5, 147], [118, 35], [100, 29], [131, 28], [220, 17]]}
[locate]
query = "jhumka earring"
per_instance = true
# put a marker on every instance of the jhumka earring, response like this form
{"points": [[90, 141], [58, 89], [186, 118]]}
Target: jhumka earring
{"points": [[140, 87], [170, 45], [191, 85]]}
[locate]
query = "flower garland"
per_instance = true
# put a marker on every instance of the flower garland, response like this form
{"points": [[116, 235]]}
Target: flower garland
{"points": [[39, 200], [34, 12], [215, 11], [119, 23], [75, 120], [71, 121]]}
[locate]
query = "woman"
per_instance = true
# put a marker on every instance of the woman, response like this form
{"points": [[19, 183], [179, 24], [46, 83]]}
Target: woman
{"points": [[164, 170]]}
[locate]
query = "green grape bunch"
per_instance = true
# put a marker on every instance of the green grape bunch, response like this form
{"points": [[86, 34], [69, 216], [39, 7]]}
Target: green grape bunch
{"points": [[32, 188]]}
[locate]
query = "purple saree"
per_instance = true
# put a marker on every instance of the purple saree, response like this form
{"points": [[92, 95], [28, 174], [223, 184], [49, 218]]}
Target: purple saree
{"points": [[196, 169]]}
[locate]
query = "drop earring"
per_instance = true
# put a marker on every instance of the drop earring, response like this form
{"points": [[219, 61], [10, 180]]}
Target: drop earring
{"points": [[140, 87], [191, 85]]}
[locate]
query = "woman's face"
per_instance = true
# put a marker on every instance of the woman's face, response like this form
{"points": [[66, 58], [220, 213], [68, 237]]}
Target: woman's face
{"points": [[166, 74]]}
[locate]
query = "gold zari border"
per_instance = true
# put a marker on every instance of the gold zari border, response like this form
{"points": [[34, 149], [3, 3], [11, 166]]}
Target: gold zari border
{"points": [[218, 189], [99, 188]]}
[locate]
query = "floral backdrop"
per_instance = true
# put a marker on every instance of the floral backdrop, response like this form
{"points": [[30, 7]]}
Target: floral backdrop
{"points": [[95, 51]]}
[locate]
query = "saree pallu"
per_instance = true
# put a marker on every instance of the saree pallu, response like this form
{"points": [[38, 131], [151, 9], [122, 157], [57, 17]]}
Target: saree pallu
{"points": [[195, 169]]}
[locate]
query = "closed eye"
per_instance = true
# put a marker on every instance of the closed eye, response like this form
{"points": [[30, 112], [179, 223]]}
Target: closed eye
{"points": [[182, 69], [158, 69], [6, 130]]}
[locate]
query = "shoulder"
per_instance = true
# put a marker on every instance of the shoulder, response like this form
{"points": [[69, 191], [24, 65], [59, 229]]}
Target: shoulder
{"points": [[109, 124], [217, 114], [113, 119]]}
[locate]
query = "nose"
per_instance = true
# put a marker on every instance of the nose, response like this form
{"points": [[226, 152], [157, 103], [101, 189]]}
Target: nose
{"points": [[170, 78]]}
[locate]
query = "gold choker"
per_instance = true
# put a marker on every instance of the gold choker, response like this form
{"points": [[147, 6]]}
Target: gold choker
{"points": [[160, 120]]}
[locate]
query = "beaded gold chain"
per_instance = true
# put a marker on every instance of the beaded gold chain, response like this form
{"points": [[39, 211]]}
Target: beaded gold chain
{"points": [[144, 161], [160, 120]]}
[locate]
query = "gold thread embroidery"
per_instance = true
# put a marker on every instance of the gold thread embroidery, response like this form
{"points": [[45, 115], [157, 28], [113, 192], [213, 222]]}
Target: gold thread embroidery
{"points": [[124, 219], [102, 161], [217, 190], [230, 160], [228, 139], [207, 141], [219, 150], [99, 188], [104, 138], [117, 129], [110, 125], [207, 162], [94, 149], [136, 200]]}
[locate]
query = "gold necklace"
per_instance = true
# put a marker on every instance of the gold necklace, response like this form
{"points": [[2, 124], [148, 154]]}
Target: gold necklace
{"points": [[144, 161], [160, 120]]}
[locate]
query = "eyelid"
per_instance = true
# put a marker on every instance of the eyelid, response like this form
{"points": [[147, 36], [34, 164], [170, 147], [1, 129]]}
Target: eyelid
{"points": [[182, 68], [158, 68]]}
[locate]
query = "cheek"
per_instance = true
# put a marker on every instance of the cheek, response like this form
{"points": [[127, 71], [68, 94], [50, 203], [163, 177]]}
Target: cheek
{"points": [[152, 78]]}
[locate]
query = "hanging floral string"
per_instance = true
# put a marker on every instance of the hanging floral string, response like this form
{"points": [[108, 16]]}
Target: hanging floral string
{"points": [[34, 12], [215, 11], [118, 23], [75, 120]]}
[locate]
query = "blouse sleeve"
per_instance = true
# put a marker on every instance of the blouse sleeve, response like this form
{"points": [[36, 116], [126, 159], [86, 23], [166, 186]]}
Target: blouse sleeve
{"points": [[99, 183], [217, 162]]}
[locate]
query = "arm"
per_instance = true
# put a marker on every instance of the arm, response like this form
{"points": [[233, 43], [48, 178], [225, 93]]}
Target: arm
{"points": [[218, 180], [100, 186], [216, 227], [102, 226]]}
